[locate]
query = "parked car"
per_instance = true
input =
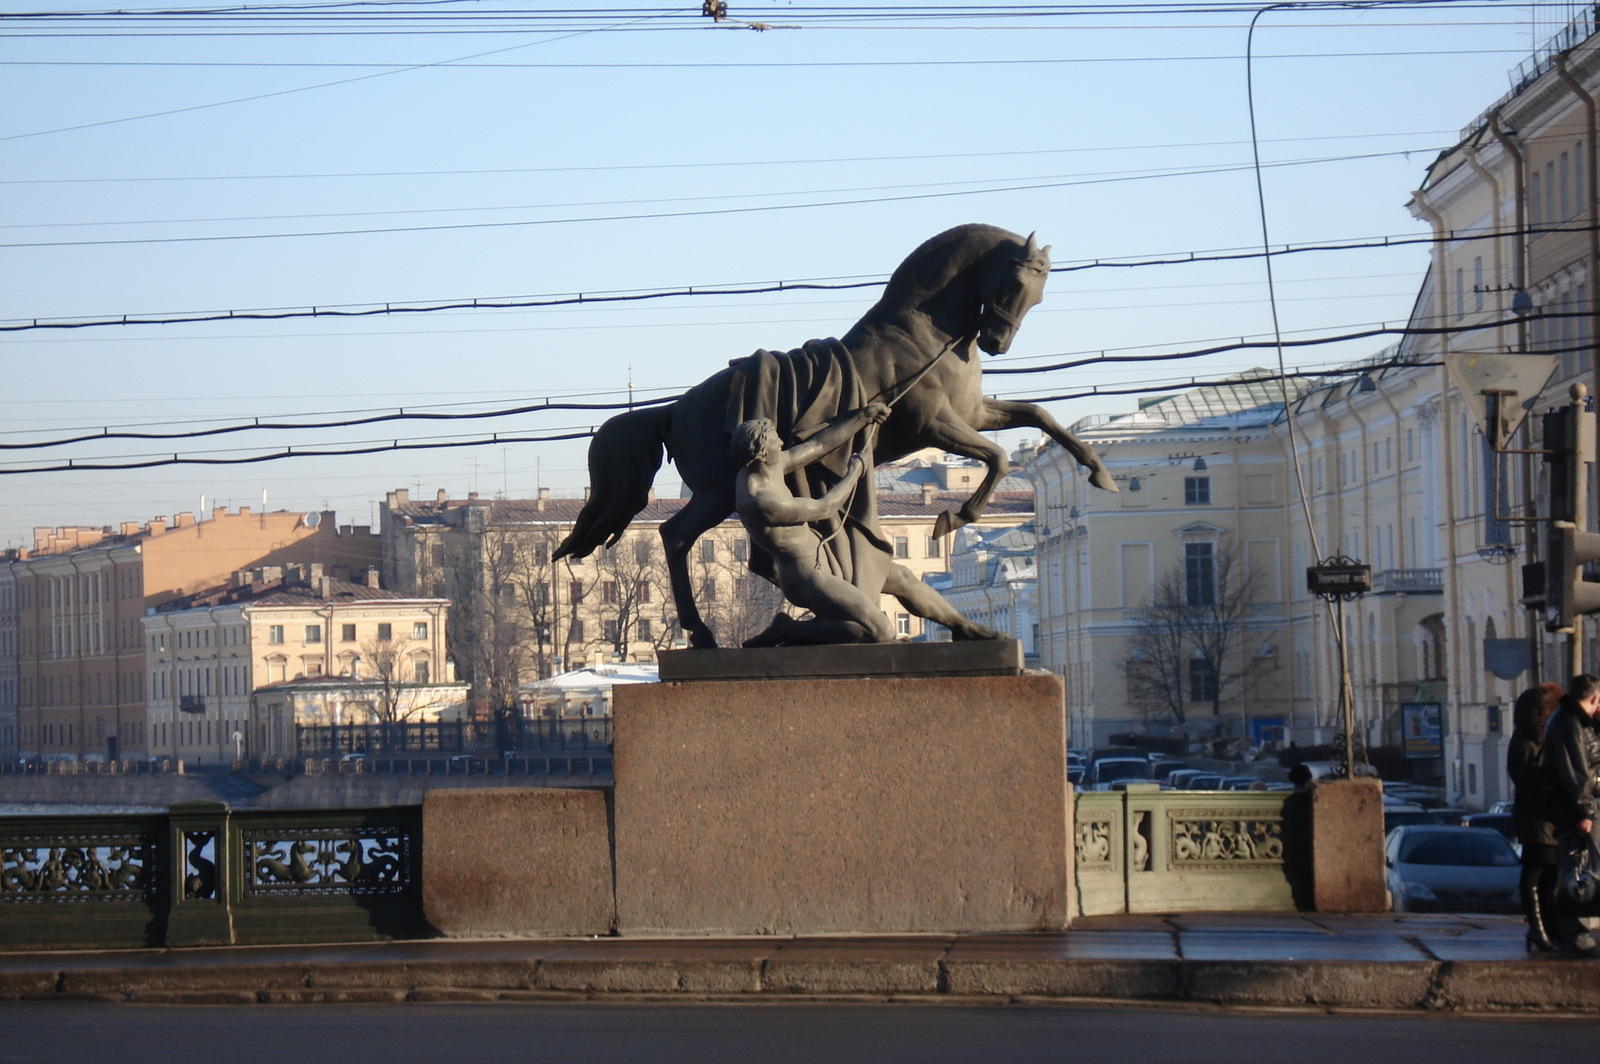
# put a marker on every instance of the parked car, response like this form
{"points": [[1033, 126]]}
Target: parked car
{"points": [[1238, 783], [1160, 770], [1178, 779], [1500, 822], [1438, 868], [1204, 781], [1107, 771], [1401, 815]]}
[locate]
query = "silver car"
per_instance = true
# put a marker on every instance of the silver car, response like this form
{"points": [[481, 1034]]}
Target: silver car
{"points": [[1438, 868]]}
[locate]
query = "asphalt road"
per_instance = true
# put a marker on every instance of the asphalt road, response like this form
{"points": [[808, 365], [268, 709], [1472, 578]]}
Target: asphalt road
{"points": [[766, 1034]]}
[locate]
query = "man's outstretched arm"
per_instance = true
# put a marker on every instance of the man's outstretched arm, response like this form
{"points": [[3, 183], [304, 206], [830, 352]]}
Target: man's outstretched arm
{"points": [[836, 435]]}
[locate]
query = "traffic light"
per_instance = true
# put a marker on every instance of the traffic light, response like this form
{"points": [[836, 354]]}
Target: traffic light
{"points": [[1567, 592], [1567, 436]]}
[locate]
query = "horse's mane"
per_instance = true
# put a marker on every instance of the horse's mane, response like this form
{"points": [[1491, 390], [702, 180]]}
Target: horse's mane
{"points": [[931, 264]]}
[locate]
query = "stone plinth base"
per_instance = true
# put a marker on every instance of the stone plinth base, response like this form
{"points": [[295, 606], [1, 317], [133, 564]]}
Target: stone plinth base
{"points": [[516, 861], [818, 806], [1347, 847]]}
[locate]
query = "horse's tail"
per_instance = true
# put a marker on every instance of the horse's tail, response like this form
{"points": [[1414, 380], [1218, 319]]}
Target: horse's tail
{"points": [[623, 458]]}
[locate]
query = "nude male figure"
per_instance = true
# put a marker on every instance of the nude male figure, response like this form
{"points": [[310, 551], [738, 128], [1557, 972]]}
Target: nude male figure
{"points": [[779, 523]]}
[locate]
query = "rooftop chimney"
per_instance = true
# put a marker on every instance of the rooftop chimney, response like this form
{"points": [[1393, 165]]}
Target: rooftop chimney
{"points": [[930, 492], [472, 496], [183, 519], [544, 497], [372, 578], [400, 497]]}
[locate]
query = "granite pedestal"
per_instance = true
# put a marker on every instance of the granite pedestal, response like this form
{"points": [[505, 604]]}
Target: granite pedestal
{"points": [[932, 799]]}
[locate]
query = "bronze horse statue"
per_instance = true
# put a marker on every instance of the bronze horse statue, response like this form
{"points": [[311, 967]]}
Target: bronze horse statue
{"points": [[963, 291]]}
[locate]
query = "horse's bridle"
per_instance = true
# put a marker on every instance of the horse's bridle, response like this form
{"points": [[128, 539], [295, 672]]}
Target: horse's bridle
{"points": [[1013, 319]]}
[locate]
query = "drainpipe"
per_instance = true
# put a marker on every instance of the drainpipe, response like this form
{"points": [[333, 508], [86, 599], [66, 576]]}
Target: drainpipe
{"points": [[1447, 448], [1594, 253], [1519, 258], [1494, 222], [1520, 282]]}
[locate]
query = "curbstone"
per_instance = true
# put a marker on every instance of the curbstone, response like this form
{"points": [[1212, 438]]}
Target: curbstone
{"points": [[13, 984], [330, 997], [233, 977], [193, 997], [1348, 984], [1141, 980], [649, 976], [1557, 985], [851, 976]]}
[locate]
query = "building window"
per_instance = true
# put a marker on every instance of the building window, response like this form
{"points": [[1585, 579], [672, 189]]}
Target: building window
{"points": [[613, 632], [575, 633], [347, 633], [420, 671], [274, 633], [575, 592], [902, 624], [313, 633], [708, 591], [708, 550], [1202, 680], [644, 591], [645, 632], [385, 633], [608, 592], [902, 547], [1200, 573], [741, 550], [1197, 491], [935, 548], [419, 630]]}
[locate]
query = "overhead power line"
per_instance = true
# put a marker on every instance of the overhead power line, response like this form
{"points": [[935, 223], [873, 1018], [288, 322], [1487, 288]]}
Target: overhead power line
{"points": [[368, 310], [499, 438], [1030, 185]]}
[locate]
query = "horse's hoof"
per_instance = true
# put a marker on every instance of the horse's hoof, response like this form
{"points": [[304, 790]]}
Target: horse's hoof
{"points": [[1101, 478], [702, 642], [975, 631]]}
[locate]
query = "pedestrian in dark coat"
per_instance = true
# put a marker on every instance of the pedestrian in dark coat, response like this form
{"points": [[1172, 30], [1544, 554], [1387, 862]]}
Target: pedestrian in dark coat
{"points": [[1530, 813], [1571, 756]]}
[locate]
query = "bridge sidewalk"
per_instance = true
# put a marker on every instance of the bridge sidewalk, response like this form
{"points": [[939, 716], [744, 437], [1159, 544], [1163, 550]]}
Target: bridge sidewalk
{"points": [[1466, 963]]}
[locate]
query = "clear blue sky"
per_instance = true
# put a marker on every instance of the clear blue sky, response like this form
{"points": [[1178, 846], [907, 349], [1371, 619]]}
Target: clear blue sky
{"points": [[648, 149]]}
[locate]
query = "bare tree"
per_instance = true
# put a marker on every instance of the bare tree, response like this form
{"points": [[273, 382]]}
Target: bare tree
{"points": [[635, 600], [1190, 651], [383, 661], [533, 575], [734, 601]]}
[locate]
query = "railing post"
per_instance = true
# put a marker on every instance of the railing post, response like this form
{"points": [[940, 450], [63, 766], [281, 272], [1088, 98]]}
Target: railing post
{"points": [[199, 842]]}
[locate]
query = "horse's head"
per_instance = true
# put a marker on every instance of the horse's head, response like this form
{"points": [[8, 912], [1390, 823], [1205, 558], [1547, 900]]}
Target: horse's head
{"points": [[1011, 287]]}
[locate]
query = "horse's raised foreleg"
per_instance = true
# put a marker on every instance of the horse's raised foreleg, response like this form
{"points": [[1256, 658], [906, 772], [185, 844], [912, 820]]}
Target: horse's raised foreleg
{"points": [[1008, 414], [705, 511], [948, 431]]}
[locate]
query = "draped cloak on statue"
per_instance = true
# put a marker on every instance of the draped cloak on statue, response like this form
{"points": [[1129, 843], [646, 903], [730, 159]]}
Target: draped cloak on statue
{"points": [[799, 392]]}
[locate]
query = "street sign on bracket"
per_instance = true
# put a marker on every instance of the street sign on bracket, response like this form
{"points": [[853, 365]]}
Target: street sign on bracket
{"points": [[1520, 376]]}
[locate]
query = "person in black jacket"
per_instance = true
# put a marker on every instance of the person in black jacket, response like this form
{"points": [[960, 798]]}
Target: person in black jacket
{"points": [[1530, 813], [1571, 756]]}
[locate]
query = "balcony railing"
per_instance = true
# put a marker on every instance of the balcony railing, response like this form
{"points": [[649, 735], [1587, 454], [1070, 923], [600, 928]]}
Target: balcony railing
{"points": [[1409, 582]]}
